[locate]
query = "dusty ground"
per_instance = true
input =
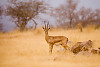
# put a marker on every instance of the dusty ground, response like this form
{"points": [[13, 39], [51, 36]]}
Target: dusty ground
{"points": [[29, 49]]}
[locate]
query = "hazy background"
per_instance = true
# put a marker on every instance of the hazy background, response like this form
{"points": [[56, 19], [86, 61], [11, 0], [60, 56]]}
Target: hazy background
{"points": [[8, 25]]}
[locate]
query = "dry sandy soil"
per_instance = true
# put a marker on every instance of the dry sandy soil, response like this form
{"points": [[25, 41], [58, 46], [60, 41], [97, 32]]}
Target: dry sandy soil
{"points": [[29, 49]]}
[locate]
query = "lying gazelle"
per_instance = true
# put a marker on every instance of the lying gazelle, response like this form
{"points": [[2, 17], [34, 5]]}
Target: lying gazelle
{"points": [[52, 40]]}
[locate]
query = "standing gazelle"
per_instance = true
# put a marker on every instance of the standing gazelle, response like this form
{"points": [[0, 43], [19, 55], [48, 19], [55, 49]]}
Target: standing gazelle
{"points": [[52, 40]]}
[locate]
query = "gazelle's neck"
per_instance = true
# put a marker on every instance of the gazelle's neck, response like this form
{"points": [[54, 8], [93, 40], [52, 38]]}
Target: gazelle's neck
{"points": [[46, 36]]}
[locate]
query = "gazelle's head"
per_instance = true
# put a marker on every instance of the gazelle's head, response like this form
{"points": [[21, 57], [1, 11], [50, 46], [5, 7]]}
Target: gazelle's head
{"points": [[46, 27]]}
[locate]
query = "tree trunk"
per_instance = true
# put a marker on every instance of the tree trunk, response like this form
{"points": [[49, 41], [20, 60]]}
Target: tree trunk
{"points": [[23, 26], [35, 24], [70, 22]]}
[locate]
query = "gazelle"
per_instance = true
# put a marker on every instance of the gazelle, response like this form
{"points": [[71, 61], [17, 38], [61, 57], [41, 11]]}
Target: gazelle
{"points": [[52, 40]]}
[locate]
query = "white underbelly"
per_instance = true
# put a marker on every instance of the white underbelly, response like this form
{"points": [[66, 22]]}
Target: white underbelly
{"points": [[58, 43]]}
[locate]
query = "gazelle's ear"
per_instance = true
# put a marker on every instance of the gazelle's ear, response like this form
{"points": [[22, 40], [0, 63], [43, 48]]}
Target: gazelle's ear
{"points": [[49, 28], [42, 27]]}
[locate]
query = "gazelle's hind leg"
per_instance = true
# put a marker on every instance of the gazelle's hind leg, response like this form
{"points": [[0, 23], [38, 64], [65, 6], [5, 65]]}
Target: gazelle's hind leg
{"points": [[50, 48], [64, 44], [65, 48]]}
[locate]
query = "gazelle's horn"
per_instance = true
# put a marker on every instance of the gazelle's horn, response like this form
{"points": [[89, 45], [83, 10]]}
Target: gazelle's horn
{"points": [[48, 24], [45, 24]]}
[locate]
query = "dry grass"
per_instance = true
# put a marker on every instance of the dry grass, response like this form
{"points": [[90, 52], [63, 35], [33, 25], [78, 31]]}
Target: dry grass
{"points": [[29, 49]]}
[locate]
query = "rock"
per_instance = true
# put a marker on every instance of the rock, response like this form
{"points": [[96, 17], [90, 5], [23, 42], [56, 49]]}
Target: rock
{"points": [[81, 46], [94, 51]]}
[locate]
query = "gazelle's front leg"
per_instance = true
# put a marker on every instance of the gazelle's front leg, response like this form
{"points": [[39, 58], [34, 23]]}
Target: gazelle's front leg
{"points": [[50, 48]]}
